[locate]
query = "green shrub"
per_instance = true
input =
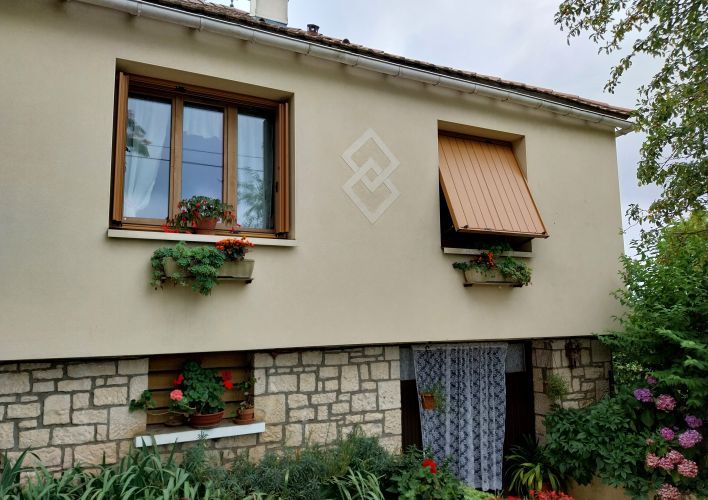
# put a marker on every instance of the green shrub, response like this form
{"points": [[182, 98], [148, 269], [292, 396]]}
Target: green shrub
{"points": [[198, 266], [529, 467], [420, 477]]}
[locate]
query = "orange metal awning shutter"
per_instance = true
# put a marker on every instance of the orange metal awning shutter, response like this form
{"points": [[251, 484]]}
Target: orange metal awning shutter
{"points": [[485, 189]]}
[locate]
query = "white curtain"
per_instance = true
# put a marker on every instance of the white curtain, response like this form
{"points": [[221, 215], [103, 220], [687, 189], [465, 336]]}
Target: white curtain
{"points": [[148, 149], [470, 432], [255, 171]]}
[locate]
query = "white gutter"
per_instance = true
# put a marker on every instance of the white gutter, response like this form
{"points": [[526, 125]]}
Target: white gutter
{"points": [[256, 35]]}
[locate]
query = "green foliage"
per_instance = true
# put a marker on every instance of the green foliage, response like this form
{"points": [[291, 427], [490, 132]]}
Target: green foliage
{"points": [[197, 266], [202, 390], [144, 402], [414, 481], [512, 269], [196, 208], [665, 327], [556, 388], [672, 108], [358, 485], [529, 467]]}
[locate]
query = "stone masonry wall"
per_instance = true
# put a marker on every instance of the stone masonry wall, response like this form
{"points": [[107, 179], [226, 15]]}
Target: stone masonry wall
{"points": [[586, 383], [70, 412]]}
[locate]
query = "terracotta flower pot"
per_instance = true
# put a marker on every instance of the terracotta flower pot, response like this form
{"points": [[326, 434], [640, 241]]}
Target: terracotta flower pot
{"points": [[205, 225], [206, 421], [427, 400], [245, 416], [237, 269]]}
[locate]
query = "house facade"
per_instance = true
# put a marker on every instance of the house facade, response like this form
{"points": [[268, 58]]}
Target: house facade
{"points": [[360, 176]]}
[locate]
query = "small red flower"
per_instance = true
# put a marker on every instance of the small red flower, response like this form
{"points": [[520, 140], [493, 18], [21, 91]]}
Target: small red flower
{"points": [[178, 380], [226, 375], [228, 384], [431, 465]]}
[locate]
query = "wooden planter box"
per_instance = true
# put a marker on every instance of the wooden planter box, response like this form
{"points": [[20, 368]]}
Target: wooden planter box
{"points": [[231, 270], [492, 277]]}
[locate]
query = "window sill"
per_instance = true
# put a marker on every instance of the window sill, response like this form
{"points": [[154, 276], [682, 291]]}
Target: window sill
{"points": [[199, 238], [172, 435], [475, 251]]}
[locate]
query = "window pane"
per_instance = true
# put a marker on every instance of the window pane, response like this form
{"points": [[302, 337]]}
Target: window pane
{"points": [[255, 172], [202, 152], [147, 158]]}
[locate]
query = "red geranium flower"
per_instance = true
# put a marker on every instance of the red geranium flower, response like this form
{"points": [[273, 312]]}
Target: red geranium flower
{"points": [[226, 375], [431, 465], [178, 380], [228, 384]]}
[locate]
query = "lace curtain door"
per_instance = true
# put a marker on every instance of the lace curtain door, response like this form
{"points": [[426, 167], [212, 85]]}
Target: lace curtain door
{"points": [[470, 432]]}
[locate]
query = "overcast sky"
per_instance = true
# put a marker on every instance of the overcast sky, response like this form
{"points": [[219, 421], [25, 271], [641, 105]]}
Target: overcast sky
{"points": [[512, 39]]}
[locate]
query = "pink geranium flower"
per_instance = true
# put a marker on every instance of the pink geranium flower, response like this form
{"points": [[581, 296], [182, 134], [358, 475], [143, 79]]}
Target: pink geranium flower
{"points": [[176, 395]]}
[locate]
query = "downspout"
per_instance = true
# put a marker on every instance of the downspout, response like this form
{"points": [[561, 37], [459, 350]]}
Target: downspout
{"points": [[226, 28]]}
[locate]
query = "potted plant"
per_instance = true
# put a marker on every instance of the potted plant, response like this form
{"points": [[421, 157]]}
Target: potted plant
{"points": [[433, 397], [200, 214], [183, 265], [198, 394], [530, 469], [245, 413], [235, 264], [492, 269]]}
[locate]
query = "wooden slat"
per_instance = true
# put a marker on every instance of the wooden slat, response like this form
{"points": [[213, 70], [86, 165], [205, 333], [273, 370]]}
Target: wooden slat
{"points": [[485, 189]]}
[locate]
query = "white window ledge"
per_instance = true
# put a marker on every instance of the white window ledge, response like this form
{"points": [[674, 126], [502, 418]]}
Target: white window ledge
{"points": [[172, 435], [475, 251], [199, 238]]}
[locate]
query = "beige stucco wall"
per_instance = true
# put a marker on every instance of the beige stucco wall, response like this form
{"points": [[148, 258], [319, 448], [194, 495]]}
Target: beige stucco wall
{"points": [[69, 290]]}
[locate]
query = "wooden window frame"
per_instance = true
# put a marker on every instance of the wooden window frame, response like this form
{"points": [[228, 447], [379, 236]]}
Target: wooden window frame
{"points": [[178, 93]]}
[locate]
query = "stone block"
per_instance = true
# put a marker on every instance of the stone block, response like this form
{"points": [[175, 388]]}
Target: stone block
{"points": [[321, 433], [368, 386], [256, 453], [27, 424], [34, 366], [379, 371], [7, 435], [125, 424], [236, 441], [293, 435], [27, 399], [373, 351], [8, 399], [322, 412], [340, 408], [262, 360], [43, 386], [364, 371], [133, 366], [365, 401], [600, 353], [57, 409], [48, 457], [542, 404], [29, 410], [68, 461], [593, 373], [349, 380], [35, 438], [312, 358], [392, 353], [392, 422], [120, 380], [110, 396], [307, 382], [297, 400], [372, 429], [282, 383], [73, 435], [96, 454], [96, 369], [389, 395], [101, 432], [137, 386], [323, 398], [8, 367], [331, 385], [373, 417], [272, 434], [345, 396], [329, 372], [341, 358], [260, 387], [392, 444], [14, 383], [74, 385], [274, 407], [89, 417], [287, 359], [396, 370], [80, 400], [558, 359], [51, 374], [301, 415]]}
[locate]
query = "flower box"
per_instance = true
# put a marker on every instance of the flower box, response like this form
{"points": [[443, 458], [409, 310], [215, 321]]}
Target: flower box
{"points": [[242, 269], [476, 276]]}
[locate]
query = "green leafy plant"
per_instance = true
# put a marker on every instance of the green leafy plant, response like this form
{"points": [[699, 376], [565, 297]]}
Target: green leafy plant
{"points": [[511, 269], [556, 388], [421, 477], [194, 209], [529, 468], [198, 267], [358, 485], [199, 390], [144, 402]]}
